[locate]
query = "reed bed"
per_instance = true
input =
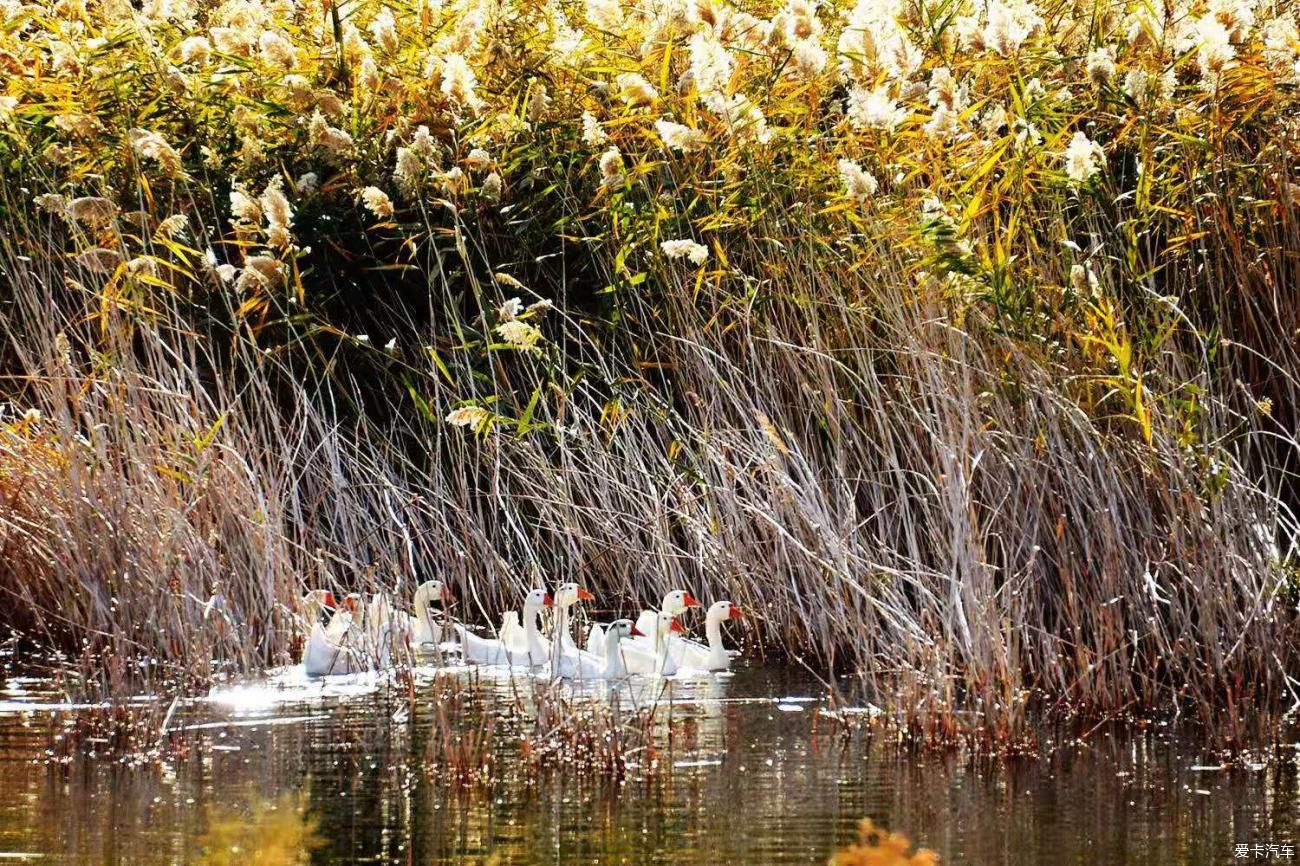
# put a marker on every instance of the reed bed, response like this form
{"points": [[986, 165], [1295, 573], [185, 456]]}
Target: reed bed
{"points": [[955, 340]]}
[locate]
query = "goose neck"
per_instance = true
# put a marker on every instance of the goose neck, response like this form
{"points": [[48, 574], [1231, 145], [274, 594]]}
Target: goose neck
{"points": [[423, 610], [613, 657], [531, 634], [713, 631]]}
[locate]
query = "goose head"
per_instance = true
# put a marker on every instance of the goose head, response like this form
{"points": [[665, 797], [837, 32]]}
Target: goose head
{"points": [[620, 629], [723, 610], [624, 628], [536, 600], [569, 594], [431, 591], [668, 625], [677, 601]]}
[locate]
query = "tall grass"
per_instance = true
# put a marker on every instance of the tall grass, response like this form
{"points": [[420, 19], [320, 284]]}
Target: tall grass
{"points": [[968, 364]]}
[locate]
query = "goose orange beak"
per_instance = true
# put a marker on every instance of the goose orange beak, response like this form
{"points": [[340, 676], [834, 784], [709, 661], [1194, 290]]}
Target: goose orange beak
{"points": [[583, 595], [636, 632], [328, 600], [690, 601], [676, 627], [350, 603], [547, 601], [737, 613]]}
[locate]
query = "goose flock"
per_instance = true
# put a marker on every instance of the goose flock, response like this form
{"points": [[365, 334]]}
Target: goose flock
{"points": [[361, 636]]}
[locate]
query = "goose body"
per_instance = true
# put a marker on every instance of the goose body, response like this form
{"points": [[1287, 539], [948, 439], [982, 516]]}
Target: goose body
{"points": [[562, 644], [582, 665], [496, 651], [373, 627], [327, 651], [712, 656], [653, 655]]}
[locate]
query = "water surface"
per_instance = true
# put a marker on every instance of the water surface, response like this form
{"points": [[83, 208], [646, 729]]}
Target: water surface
{"points": [[735, 769]]}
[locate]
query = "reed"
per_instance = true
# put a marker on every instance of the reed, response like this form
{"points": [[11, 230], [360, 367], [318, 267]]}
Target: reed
{"points": [[956, 341], [459, 751]]}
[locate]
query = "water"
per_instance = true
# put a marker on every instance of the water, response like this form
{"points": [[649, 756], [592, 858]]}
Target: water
{"points": [[743, 769]]}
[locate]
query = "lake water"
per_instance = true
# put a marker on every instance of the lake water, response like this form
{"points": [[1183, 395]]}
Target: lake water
{"points": [[737, 769]]}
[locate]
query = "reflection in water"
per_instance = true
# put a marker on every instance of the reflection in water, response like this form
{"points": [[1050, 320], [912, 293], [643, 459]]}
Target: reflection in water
{"points": [[718, 771], [876, 846], [266, 832]]}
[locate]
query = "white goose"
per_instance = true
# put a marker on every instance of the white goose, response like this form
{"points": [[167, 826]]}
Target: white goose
{"points": [[327, 651], [566, 596], [424, 629], [581, 665], [372, 630], [652, 655], [713, 657], [675, 602], [487, 651]]}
